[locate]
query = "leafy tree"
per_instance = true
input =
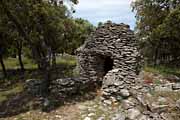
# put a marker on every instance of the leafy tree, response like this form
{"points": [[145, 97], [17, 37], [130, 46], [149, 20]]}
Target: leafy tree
{"points": [[34, 20], [151, 18], [3, 49], [4, 41], [77, 32]]}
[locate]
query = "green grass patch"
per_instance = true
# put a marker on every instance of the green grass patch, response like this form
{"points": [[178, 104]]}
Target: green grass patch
{"points": [[163, 70], [66, 60], [65, 68], [13, 63]]}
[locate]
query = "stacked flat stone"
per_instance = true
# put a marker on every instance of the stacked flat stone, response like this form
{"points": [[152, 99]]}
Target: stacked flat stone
{"points": [[118, 42], [66, 87]]}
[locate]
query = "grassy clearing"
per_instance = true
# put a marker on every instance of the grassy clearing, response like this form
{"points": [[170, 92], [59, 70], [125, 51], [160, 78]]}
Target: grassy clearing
{"points": [[66, 60], [13, 84], [163, 70], [13, 63]]}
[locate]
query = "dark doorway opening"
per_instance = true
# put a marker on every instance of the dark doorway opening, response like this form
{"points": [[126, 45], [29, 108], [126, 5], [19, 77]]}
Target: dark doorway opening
{"points": [[108, 65]]}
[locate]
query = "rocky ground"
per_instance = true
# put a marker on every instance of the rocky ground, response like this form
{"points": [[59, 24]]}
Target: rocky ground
{"points": [[161, 101]]}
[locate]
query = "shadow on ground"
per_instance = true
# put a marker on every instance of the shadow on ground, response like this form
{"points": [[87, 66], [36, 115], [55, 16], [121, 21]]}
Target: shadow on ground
{"points": [[24, 102]]}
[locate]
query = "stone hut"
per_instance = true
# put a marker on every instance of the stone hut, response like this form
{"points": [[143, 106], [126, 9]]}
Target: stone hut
{"points": [[109, 57]]}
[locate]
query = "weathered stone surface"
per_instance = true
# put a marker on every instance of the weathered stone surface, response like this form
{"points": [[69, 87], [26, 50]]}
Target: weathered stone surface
{"points": [[110, 56], [87, 118], [124, 93], [66, 86], [176, 86], [128, 104], [166, 116], [178, 103], [172, 78], [163, 88], [133, 113], [119, 116]]}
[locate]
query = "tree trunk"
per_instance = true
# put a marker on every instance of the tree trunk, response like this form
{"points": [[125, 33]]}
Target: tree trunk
{"points": [[20, 61], [20, 57], [156, 57], [3, 66], [54, 59], [45, 65]]}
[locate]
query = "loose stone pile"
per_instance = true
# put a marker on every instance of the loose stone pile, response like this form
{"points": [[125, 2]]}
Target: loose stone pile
{"points": [[110, 56], [66, 87]]}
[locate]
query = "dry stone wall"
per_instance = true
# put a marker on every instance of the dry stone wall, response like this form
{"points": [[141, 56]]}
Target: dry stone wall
{"points": [[110, 55]]}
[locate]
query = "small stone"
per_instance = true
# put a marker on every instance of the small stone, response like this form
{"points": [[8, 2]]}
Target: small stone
{"points": [[108, 102], [128, 104], [82, 107], [125, 93], [118, 83], [119, 116], [163, 88], [142, 100], [143, 117], [101, 118], [133, 113], [91, 114], [87, 118], [178, 103], [162, 100], [176, 86], [115, 70], [155, 107], [172, 78], [166, 116], [58, 116]]}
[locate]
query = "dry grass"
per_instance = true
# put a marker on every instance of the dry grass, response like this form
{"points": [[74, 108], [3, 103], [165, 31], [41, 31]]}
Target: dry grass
{"points": [[171, 98]]}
